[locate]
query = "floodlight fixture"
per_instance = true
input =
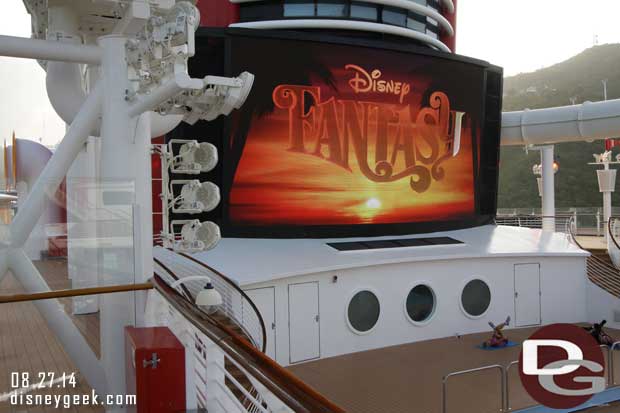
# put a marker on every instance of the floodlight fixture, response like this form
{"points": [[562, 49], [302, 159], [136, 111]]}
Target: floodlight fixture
{"points": [[193, 157], [196, 197], [195, 236]]}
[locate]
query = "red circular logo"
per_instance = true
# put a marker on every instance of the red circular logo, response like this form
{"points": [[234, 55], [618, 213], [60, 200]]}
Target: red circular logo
{"points": [[562, 366]]}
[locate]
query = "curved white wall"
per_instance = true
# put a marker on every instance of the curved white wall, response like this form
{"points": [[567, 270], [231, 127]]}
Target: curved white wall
{"points": [[563, 299]]}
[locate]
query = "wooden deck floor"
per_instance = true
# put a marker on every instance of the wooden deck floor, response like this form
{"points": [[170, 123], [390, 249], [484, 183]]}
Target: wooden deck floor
{"points": [[28, 345], [407, 378], [55, 273]]}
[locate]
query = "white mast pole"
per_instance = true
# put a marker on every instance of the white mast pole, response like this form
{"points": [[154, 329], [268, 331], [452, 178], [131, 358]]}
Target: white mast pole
{"points": [[548, 192]]}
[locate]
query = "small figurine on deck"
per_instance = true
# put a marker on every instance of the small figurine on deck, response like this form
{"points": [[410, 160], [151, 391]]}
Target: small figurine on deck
{"points": [[601, 337], [497, 339]]}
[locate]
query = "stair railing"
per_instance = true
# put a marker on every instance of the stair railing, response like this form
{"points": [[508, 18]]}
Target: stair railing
{"points": [[237, 306], [214, 345], [613, 245]]}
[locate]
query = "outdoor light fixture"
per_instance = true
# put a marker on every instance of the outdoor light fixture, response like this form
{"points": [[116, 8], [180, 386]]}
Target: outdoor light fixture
{"points": [[193, 158], [208, 297], [195, 236], [224, 94], [196, 197]]}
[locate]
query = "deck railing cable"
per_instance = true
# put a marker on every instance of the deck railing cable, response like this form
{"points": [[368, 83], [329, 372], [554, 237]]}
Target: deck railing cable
{"points": [[601, 273], [237, 306], [266, 375], [613, 246]]}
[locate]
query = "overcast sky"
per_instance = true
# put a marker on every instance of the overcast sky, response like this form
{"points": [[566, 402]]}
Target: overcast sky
{"points": [[520, 35]]}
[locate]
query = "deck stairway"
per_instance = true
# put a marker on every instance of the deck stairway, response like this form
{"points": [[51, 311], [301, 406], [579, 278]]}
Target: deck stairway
{"points": [[226, 318]]}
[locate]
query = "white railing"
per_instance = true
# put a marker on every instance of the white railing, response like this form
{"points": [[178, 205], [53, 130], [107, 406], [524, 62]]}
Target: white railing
{"points": [[613, 242], [237, 306], [586, 221], [224, 373], [504, 383]]}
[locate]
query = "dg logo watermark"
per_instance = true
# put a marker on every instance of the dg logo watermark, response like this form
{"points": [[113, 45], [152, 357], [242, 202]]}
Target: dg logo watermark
{"points": [[562, 366]]}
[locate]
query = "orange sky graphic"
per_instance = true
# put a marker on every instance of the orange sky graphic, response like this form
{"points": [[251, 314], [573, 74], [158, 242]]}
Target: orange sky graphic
{"points": [[275, 186]]}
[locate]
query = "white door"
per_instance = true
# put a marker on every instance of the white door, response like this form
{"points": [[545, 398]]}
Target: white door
{"points": [[264, 299], [303, 307], [527, 295]]}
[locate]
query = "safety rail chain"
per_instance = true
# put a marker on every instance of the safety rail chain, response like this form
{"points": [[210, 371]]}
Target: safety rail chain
{"points": [[505, 392], [237, 306], [601, 273], [215, 344]]}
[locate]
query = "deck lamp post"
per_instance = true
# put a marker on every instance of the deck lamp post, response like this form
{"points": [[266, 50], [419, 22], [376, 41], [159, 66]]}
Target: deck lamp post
{"points": [[545, 172], [606, 180]]}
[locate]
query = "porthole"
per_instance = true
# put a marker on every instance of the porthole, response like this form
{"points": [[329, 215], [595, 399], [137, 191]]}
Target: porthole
{"points": [[475, 298], [420, 304], [363, 311]]}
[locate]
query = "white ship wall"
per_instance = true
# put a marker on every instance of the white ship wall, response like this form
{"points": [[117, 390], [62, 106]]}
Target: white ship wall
{"points": [[563, 299], [602, 306]]}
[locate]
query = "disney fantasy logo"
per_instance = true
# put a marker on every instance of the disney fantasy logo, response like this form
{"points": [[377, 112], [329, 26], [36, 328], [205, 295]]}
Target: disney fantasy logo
{"points": [[364, 82], [377, 134]]}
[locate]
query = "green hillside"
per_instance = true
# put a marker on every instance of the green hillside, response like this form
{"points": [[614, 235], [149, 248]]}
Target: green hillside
{"points": [[578, 78]]}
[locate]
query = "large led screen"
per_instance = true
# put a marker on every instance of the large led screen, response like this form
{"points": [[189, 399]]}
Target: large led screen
{"points": [[348, 135]]}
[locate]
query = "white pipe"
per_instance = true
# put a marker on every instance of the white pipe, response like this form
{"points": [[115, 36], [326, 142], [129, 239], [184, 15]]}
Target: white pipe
{"points": [[157, 96], [406, 5], [56, 169], [344, 25], [586, 122], [548, 184], [12, 46], [59, 322], [64, 89]]}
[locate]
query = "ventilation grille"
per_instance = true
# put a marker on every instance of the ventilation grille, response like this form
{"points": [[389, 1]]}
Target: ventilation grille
{"points": [[393, 243]]}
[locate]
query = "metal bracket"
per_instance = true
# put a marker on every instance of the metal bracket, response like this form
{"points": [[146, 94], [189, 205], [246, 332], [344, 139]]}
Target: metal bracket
{"points": [[153, 362]]}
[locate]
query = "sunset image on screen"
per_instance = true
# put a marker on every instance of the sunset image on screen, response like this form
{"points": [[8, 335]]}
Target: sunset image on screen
{"points": [[374, 147]]}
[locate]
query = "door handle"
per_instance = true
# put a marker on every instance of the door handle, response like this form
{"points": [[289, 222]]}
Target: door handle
{"points": [[316, 318], [516, 294]]}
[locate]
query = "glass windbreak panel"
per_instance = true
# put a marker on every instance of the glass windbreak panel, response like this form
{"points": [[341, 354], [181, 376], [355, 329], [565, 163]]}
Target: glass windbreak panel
{"points": [[394, 16], [363, 12], [420, 303], [298, 9], [476, 298], [363, 311]]}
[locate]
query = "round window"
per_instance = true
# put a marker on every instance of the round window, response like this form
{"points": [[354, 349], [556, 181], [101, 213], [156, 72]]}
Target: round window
{"points": [[476, 298], [420, 304], [363, 311]]}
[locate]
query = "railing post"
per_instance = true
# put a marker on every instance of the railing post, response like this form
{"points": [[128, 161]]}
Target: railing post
{"points": [[503, 384], [607, 349], [612, 374], [274, 404]]}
